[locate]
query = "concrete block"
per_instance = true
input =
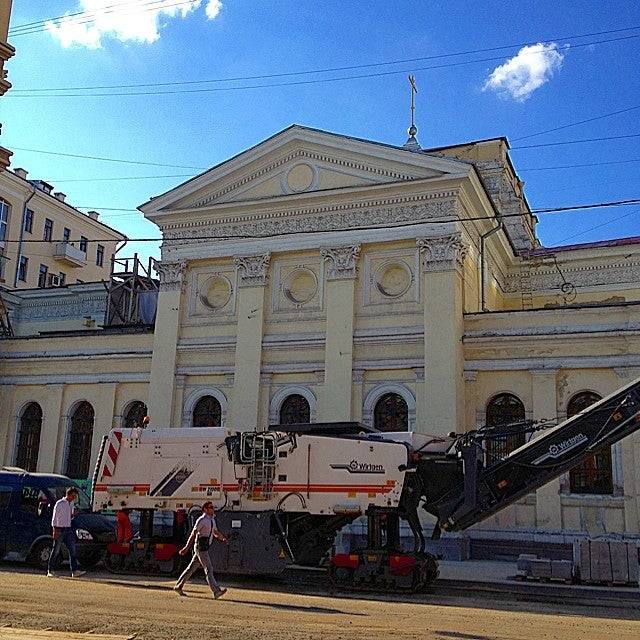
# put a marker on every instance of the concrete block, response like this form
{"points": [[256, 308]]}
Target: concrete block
{"points": [[601, 569], [632, 563], [561, 569], [524, 562], [541, 568], [582, 559], [619, 561]]}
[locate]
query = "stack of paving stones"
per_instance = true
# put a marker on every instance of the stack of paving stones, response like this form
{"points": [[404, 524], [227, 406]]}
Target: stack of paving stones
{"points": [[602, 562]]}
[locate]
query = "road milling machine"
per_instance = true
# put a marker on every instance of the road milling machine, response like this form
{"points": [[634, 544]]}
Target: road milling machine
{"points": [[281, 495]]}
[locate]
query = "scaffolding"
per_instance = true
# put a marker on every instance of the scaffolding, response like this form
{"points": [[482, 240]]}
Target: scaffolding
{"points": [[132, 292]]}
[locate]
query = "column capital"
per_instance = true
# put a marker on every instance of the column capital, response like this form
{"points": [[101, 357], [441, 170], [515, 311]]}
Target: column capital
{"points": [[470, 375], [342, 261], [442, 253], [171, 275], [252, 270]]}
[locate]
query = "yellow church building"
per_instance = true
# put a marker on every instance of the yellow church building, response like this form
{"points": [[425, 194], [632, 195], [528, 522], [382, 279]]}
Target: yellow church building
{"points": [[317, 277]]}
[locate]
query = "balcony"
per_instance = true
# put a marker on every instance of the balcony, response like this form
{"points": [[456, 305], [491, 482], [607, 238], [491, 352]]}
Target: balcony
{"points": [[66, 252]]}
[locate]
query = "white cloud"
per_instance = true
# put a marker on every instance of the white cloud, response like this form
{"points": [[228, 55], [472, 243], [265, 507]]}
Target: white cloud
{"points": [[124, 20], [529, 70]]}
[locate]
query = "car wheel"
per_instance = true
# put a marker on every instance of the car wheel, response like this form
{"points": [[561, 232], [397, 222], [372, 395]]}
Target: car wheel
{"points": [[40, 553]]}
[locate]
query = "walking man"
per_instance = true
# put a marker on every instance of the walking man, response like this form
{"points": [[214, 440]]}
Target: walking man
{"points": [[204, 530], [63, 533]]}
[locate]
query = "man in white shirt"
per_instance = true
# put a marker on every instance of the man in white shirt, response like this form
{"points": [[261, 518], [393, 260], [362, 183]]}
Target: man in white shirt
{"points": [[204, 530], [63, 533]]}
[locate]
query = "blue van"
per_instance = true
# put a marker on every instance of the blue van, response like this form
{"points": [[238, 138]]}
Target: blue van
{"points": [[26, 507]]}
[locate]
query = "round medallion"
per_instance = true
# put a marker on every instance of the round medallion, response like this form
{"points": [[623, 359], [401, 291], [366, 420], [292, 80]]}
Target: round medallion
{"points": [[300, 286], [215, 292], [300, 177], [393, 279]]}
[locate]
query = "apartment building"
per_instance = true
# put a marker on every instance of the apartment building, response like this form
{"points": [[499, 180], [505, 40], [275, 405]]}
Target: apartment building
{"points": [[46, 242]]}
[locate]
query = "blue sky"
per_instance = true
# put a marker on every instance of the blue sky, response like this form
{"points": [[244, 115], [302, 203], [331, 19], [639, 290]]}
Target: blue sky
{"points": [[129, 98]]}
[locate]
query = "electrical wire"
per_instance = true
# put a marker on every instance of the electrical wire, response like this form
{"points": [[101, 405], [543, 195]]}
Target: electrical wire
{"points": [[44, 93], [85, 17], [362, 228]]}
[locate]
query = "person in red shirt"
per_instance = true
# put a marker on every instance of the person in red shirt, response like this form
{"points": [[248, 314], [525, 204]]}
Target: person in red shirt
{"points": [[124, 532]]}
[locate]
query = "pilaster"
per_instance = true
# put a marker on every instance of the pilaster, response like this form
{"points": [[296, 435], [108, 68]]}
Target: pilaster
{"points": [[545, 402], [7, 421], [165, 341], [626, 475], [53, 437], [442, 258], [105, 407], [340, 300], [470, 399], [252, 275]]}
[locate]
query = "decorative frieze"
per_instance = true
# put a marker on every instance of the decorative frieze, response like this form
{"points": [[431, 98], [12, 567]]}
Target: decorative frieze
{"points": [[442, 253], [592, 275], [341, 261], [319, 220], [252, 270], [171, 275]]}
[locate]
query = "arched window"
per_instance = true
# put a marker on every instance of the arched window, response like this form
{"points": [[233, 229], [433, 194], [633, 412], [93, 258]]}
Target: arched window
{"points": [[134, 415], [295, 410], [502, 410], [29, 429], [391, 413], [594, 475], [207, 412], [80, 437]]}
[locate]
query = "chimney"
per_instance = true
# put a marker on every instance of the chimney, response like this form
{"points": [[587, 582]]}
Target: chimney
{"points": [[21, 173], [94, 215], [60, 196]]}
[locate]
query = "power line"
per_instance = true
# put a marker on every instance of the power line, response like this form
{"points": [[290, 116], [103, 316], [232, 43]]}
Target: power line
{"points": [[633, 201], [335, 69], [587, 206], [558, 144], [599, 226], [574, 124], [181, 166], [45, 92], [577, 166], [74, 155], [84, 17]]}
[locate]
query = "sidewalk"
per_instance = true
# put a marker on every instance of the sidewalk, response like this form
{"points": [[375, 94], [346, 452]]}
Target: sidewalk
{"points": [[499, 577], [492, 571]]}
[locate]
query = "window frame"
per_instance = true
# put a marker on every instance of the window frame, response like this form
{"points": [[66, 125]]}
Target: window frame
{"points": [[47, 234], [594, 476], [23, 268], [43, 272], [5, 210], [29, 216]]}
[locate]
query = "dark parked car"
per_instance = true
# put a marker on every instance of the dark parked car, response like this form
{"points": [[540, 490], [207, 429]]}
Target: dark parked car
{"points": [[26, 506]]}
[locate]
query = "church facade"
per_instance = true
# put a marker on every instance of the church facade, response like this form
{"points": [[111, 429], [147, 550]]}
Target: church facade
{"points": [[317, 277]]}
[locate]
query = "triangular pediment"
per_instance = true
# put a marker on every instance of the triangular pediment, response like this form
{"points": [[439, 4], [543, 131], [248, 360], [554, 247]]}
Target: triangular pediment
{"points": [[299, 160]]}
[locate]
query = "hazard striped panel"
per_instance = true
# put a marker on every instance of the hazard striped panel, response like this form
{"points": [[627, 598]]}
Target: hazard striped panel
{"points": [[115, 437]]}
